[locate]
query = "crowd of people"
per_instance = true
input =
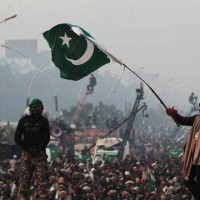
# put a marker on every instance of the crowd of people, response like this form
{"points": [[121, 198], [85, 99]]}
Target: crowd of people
{"points": [[152, 169], [71, 179]]}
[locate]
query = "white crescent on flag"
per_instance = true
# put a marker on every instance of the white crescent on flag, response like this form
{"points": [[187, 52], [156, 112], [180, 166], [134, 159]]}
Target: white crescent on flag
{"points": [[85, 57]]}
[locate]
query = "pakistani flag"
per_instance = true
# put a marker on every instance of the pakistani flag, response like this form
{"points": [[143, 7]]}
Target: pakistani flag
{"points": [[82, 158], [108, 158], [74, 51], [151, 180], [52, 153], [177, 153]]}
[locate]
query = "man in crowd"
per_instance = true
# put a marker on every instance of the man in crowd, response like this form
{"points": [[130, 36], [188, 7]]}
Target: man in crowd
{"points": [[32, 135], [191, 158]]}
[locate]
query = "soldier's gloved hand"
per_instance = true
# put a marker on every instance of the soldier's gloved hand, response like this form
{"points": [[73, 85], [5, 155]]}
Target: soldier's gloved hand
{"points": [[171, 112]]}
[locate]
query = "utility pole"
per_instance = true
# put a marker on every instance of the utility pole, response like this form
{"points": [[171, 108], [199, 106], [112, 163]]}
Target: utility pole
{"points": [[140, 93]]}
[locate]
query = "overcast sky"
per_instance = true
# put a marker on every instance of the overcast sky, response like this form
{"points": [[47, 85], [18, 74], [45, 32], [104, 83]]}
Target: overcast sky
{"points": [[150, 36]]}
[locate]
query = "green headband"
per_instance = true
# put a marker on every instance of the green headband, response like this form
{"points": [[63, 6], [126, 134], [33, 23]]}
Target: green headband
{"points": [[35, 102]]}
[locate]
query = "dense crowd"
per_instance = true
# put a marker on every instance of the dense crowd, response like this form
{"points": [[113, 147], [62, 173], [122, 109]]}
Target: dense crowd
{"points": [[149, 172]]}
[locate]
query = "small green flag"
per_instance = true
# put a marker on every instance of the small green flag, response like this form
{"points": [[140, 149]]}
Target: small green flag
{"points": [[174, 153], [52, 153], [151, 180], [82, 158], [108, 158], [74, 54]]}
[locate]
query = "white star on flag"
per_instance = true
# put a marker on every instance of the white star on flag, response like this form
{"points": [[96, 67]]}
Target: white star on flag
{"points": [[65, 39]]}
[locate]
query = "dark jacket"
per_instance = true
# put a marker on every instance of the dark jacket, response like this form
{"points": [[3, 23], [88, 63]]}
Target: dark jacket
{"points": [[33, 132], [187, 121]]}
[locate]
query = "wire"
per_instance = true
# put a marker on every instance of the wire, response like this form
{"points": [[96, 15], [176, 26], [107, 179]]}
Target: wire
{"points": [[119, 80]]}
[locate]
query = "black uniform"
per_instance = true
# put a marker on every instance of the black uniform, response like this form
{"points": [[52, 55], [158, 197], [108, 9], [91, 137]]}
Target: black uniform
{"points": [[33, 135]]}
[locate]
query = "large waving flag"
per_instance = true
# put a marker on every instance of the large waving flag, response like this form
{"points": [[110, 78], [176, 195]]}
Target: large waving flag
{"points": [[74, 51]]}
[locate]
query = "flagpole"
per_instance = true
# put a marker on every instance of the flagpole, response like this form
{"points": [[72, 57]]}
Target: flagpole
{"points": [[152, 90], [121, 63]]}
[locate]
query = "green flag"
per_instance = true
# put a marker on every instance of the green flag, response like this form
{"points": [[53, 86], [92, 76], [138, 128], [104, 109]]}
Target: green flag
{"points": [[174, 153], [74, 54], [108, 158], [151, 180], [52, 153], [82, 158]]}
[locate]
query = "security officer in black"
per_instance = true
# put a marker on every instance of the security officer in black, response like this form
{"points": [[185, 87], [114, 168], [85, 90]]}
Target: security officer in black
{"points": [[33, 135]]}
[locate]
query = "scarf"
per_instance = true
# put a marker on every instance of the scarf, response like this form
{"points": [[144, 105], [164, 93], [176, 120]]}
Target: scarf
{"points": [[189, 154]]}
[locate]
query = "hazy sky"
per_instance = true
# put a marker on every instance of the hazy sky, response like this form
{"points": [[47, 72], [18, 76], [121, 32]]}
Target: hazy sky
{"points": [[156, 36]]}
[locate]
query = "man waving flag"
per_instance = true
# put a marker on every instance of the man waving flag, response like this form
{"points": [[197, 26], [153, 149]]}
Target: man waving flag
{"points": [[74, 51]]}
